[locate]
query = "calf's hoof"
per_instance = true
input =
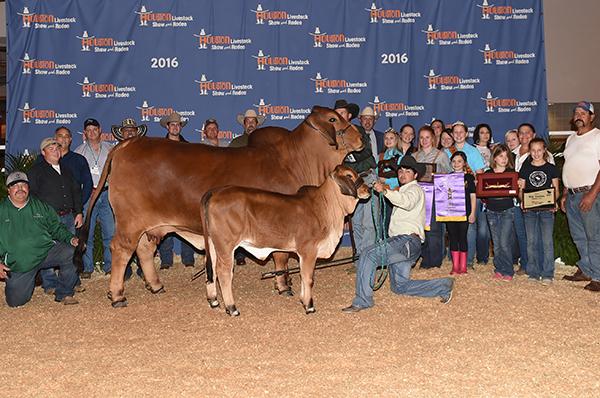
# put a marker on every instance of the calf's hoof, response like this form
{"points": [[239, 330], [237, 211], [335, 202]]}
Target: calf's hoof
{"points": [[287, 292], [122, 303], [213, 303], [310, 310], [232, 311]]}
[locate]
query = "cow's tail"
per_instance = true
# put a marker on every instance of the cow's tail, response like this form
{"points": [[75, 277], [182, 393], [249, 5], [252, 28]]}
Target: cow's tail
{"points": [[205, 223], [84, 231]]}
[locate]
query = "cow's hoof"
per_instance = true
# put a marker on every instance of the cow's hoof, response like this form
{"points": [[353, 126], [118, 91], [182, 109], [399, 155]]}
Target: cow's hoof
{"points": [[232, 311], [286, 293], [310, 310], [213, 303], [155, 291], [119, 303]]}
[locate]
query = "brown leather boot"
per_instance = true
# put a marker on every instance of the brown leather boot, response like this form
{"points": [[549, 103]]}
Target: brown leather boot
{"points": [[593, 286], [578, 276]]}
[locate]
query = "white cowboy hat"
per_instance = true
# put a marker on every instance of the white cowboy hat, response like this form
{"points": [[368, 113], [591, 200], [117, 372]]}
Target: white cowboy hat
{"points": [[368, 111], [251, 113], [172, 117]]}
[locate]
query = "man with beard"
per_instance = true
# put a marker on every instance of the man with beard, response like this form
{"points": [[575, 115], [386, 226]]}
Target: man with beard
{"points": [[581, 178]]}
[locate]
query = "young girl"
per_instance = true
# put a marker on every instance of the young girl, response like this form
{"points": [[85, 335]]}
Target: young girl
{"points": [[457, 230], [539, 223], [500, 216], [390, 141]]}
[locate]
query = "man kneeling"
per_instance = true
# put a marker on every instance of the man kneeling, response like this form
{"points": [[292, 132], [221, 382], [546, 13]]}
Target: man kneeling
{"points": [[29, 242], [406, 233]]}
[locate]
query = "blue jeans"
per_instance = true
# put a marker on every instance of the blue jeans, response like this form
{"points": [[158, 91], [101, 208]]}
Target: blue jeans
{"points": [[48, 275], [102, 212], [19, 285], [402, 252], [363, 227], [521, 237], [432, 250], [585, 231], [166, 252], [503, 234], [483, 234], [539, 226]]}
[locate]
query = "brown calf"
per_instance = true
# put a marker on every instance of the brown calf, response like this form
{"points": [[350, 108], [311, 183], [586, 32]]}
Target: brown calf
{"points": [[309, 223]]}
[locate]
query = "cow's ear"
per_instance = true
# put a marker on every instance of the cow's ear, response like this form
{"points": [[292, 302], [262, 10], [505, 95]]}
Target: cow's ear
{"points": [[346, 185]]}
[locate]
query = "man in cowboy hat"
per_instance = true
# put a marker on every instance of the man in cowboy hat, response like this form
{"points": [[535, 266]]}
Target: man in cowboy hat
{"points": [[403, 247], [174, 123], [363, 229], [128, 129], [250, 120], [368, 118]]}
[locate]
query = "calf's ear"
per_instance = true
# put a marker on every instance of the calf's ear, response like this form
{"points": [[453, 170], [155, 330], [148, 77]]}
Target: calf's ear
{"points": [[346, 185]]}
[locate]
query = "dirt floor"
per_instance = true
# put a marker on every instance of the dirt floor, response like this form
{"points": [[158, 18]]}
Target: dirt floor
{"points": [[495, 339]]}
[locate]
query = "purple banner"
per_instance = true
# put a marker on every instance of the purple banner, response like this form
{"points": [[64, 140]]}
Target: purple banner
{"points": [[450, 197], [428, 189]]}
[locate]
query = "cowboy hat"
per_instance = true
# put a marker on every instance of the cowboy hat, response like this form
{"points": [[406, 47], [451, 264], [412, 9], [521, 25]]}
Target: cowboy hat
{"points": [[352, 109], [368, 111], [172, 117], [128, 123], [260, 119], [408, 162]]}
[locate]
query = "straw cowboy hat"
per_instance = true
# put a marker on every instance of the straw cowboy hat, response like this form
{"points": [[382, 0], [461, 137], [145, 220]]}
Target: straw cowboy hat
{"points": [[368, 111], [172, 117], [251, 113], [128, 123]]}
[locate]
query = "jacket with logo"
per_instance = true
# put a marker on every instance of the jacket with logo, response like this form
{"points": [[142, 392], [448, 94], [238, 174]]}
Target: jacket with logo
{"points": [[28, 234], [362, 160]]}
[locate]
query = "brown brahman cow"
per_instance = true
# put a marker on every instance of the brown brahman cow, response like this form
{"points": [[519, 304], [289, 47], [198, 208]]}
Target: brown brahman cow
{"points": [[309, 223], [156, 185]]}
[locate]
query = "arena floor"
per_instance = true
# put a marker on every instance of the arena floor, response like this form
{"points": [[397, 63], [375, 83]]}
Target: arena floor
{"points": [[495, 339]]}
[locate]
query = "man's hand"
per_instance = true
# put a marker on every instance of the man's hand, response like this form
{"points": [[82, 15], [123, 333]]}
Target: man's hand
{"points": [[78, 220], [587, 201], [74, 241], [379, 187], [3, 270]]}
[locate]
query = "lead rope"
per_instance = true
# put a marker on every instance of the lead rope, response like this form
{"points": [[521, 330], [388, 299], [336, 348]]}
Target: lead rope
{"points": [[379, 272]]}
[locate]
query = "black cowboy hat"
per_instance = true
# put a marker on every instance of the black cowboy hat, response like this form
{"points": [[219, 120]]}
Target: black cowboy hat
{"points": [[352, 109], [408, 162]]}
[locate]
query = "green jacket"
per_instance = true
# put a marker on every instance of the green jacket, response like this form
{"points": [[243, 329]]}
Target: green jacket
{"points": [[363, 160], [28, 234], [239, 141]]}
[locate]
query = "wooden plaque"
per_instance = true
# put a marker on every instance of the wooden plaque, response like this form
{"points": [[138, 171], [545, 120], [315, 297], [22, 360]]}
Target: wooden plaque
{"points": [[430, 169], [539, 199], [497, 184]]}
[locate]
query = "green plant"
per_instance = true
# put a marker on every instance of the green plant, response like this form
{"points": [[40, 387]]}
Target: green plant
{"points": [[564, 247]]}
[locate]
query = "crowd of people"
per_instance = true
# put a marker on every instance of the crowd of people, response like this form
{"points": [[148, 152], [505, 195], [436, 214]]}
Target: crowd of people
{"points": [[45, 206]]}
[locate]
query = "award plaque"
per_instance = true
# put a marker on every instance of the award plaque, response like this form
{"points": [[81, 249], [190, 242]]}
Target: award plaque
{"points": [[542, 199], [497, 184], [430, 169]]}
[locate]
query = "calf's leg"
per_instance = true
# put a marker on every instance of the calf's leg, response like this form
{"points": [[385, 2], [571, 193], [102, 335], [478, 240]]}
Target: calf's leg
{"points": [[211, 285], [307, 271], [282, 282], [225, 277]]}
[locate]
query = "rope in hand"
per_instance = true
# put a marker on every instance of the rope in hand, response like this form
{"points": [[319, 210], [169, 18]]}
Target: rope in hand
{"points": [[380, 271]]}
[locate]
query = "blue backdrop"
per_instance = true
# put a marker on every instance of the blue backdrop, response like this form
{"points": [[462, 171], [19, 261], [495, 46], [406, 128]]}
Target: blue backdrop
{"points": [[411, 60]]}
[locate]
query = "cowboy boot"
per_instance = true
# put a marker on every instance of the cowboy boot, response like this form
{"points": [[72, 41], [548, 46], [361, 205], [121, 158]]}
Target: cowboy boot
{"points": [[455, 263], [463, 262], [578, 276]]}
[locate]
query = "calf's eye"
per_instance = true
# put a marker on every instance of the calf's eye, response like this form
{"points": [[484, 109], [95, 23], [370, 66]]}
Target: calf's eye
{"points": [[332, 120]]}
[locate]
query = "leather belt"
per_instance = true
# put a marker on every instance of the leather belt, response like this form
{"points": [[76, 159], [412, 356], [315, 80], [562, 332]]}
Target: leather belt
{"points": [[64, 212], [585, 188]]}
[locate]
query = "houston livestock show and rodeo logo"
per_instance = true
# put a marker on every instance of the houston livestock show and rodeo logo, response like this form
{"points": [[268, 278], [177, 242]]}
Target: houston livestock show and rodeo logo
{"points": [[390, 15], [335, 40], [396, 109], [448, 37], [91, 43], [45, 116], [324, 85], [44, 67], [278, 17], [279, 63], [222, 87], [104, 90], [280, 111], [44, 21], [437, 81], [150, 113], [507, 105], [492, 56], [161, 19], [208, 41], [493, 12]]}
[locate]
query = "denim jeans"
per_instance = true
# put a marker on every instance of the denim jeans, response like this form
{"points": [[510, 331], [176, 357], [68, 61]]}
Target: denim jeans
{"points": [[432, 250], [48, 275], [483, 234], [102, 212], [521, 237], [503, 234], [19, 285], [166, 251], [363, 227], [402, 252], [585, 231], [539, 226]]}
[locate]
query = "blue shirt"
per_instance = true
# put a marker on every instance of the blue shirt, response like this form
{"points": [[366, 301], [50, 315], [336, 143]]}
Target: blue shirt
{"points": [[474, 158], [80, 169]]}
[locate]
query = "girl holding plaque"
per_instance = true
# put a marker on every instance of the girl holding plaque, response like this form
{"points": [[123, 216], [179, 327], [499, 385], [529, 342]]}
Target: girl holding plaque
{"points": [[457, 230], [500, 216], [538, 180]]}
